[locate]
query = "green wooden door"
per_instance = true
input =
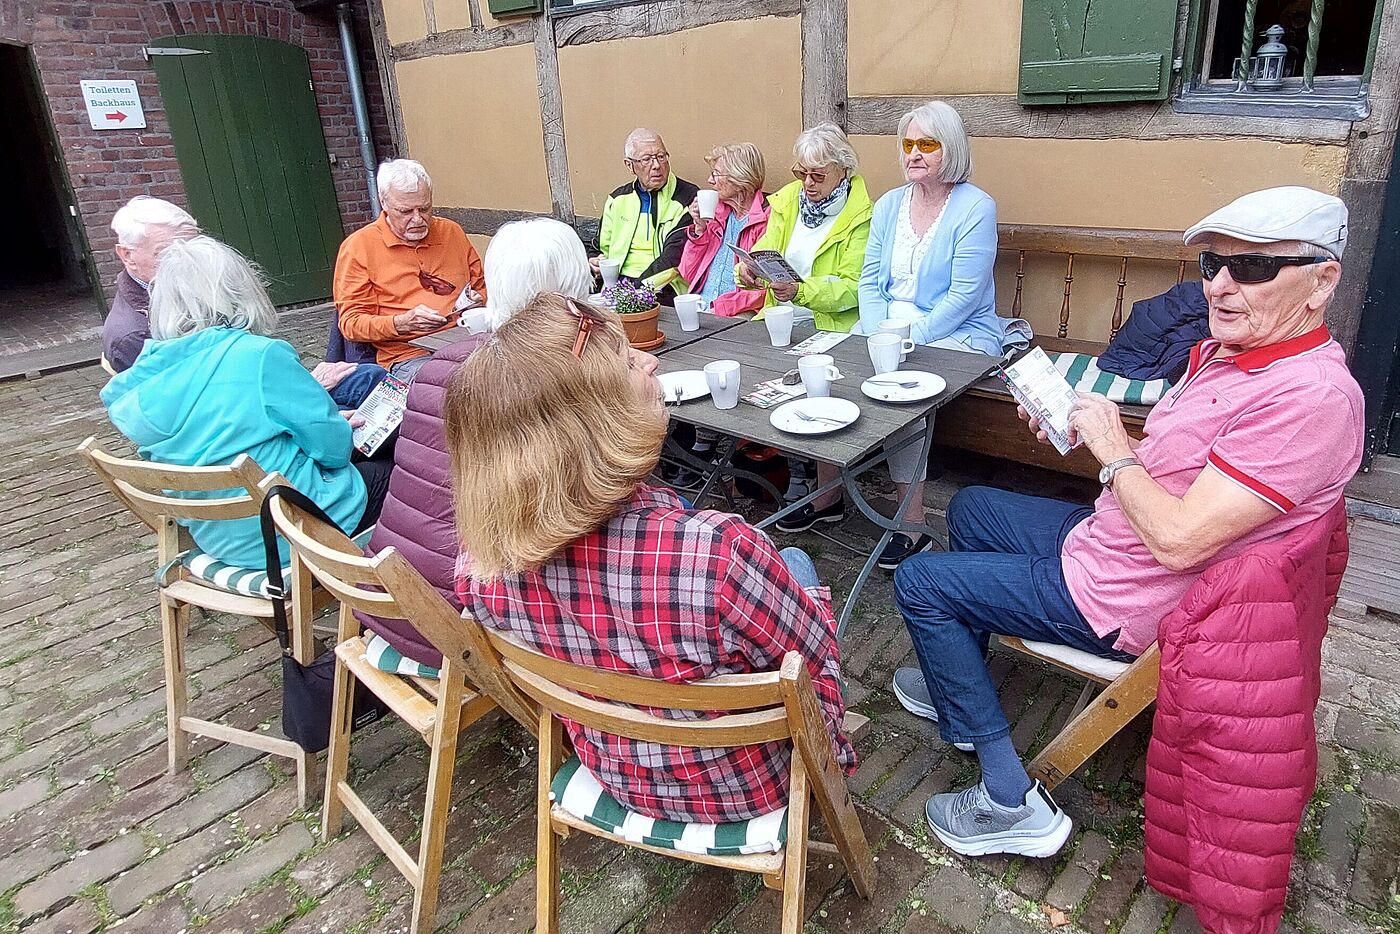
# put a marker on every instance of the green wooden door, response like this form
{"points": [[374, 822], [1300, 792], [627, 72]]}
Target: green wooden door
{"points": [[248, 137]]}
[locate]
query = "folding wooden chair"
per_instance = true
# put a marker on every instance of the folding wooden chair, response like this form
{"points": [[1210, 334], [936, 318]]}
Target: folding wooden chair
{"points": [[159, 495], [1127, 689], [775, 706], [387, 586]]}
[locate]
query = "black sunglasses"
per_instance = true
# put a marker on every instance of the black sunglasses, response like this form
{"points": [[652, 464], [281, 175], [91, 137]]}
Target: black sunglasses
{"points": [[1252, 268]]}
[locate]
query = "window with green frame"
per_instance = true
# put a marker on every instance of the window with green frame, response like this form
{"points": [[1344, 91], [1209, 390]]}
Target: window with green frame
{"points": [[1331, 48]]}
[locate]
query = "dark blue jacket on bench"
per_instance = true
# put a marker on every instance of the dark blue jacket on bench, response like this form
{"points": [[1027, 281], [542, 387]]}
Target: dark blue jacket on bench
{"points": [[1156, 340]]}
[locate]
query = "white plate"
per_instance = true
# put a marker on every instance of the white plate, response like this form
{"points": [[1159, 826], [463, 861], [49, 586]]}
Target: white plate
{"points": [[882, 388], [833, 415], [691, 382]]}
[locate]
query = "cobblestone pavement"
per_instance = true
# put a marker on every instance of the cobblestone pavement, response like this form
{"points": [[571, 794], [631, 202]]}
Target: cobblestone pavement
{"points": [[94, 835]]}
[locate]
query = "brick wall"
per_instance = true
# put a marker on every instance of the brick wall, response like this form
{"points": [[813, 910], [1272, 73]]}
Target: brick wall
{"points": [[73, 41]]}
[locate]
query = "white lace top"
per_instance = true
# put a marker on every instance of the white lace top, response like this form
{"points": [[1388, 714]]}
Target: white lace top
{"points": [[909, 249]]}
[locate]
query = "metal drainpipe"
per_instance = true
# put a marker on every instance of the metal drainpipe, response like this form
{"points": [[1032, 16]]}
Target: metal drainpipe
{"points": [[357, 100]]}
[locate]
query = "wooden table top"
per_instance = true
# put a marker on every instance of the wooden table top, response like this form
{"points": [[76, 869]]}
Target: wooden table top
{"points": [[669, 325], [759, 361]]}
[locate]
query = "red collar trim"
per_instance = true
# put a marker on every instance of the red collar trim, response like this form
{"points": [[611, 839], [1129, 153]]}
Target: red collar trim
{"points": [[1260, 358]]}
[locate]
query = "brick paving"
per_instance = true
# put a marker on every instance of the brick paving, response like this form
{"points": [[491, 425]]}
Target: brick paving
{"points": [[95, 836]]}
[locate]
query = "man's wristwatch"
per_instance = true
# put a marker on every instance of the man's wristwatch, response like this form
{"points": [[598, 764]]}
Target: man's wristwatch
{"points": [[1110, 469]]}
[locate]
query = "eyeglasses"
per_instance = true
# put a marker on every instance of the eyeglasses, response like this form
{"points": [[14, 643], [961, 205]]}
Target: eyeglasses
{"points": [[588, 318], [924, 145], [435, 284], [1252, 268], [654, 159], [802, 175]]}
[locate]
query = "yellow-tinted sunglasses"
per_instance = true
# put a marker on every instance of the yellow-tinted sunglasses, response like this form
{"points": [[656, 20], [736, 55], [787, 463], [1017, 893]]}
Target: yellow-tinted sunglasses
{"points": [[925, 145]]}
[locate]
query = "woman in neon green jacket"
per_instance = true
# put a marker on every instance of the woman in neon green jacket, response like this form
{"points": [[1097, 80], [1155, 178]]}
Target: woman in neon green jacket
{"points": [[820, 224]]}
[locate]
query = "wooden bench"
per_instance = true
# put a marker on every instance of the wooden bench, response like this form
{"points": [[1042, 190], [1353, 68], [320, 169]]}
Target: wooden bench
{"points": [[983, 419]]}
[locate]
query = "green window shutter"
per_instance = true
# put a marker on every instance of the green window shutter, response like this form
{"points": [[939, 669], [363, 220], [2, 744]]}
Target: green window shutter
{"points": [[1095, 51], [514, 7]]}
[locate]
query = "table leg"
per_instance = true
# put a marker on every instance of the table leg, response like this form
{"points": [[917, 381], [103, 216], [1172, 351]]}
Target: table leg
{"points": [[710, 470]]}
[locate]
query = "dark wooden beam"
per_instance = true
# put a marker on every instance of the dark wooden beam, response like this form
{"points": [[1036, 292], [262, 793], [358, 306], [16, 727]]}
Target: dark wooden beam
{"points": [[1001, 115], [483, 221], [388, 79], [660, 17], [475, 39], [824, 62], [556, 156]]}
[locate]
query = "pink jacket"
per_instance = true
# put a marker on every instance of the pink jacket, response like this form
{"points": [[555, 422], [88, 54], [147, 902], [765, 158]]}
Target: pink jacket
{"points": [[700, 252], [1233, 757]]}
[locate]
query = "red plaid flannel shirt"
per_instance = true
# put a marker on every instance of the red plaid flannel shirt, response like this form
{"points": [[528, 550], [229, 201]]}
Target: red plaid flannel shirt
{"points": [[678, 595]]}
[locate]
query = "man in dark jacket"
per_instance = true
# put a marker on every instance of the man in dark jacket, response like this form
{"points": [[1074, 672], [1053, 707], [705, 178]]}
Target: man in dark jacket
{"points": [[144, 227]]}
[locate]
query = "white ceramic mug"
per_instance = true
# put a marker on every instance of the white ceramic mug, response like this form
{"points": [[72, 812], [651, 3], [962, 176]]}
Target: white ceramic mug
{"points": [[817, 372], [722, 377], [474, 320], [708, 202], [886, 350], [688, 308], [902, 329], [611, 269], [779, 321]]}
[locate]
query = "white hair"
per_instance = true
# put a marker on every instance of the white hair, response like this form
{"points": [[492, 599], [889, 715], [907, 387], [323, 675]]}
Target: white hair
{"points": [[133, 220], [204, 284], [401, 175], [941, 122], [638, 136], [825, 144], [532, 256]]}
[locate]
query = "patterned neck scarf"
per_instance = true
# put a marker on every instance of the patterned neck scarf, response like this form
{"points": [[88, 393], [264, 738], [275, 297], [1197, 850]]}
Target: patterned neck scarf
{"points": [[813, 213]]}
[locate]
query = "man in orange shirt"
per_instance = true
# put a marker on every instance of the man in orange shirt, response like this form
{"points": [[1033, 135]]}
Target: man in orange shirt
{"points": [[405, 275]]}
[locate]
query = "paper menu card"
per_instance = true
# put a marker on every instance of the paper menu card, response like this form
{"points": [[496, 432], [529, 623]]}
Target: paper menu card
{"points": [[771, 392], [1042, 391], [382, 411], [820, 342]]}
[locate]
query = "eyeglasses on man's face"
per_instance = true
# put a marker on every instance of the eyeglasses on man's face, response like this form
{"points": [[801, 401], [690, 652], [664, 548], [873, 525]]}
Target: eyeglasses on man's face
{"points": [[924, 145], [656, 158], [1252, 268]]}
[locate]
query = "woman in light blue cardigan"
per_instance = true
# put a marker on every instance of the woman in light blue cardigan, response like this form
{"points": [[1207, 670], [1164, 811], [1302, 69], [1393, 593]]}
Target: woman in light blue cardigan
{"points": [[929, 264]]}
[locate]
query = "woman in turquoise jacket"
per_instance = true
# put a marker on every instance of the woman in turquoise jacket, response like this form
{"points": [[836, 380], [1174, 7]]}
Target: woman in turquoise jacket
{"points": [[211, 384]]}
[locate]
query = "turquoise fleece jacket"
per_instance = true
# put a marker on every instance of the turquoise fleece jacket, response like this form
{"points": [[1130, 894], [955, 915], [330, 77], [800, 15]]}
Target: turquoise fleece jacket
{"points": [[956, 292], [203, 399]]}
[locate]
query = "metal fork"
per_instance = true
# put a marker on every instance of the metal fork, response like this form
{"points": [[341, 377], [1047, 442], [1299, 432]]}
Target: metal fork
{"points": [[909, 384], [676, 392], [803, 416]]}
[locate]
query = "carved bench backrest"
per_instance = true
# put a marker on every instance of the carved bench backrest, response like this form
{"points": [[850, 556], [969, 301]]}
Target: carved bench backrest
{"points": [[1123, 245]]}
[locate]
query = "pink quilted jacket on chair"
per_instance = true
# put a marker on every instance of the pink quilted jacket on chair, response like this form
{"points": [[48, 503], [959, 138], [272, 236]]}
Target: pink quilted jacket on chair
{"points": [[1233, 756]]}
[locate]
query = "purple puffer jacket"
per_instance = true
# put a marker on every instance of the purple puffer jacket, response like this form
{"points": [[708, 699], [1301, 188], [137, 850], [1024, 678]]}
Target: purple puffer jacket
{"points": [[418, 518]]}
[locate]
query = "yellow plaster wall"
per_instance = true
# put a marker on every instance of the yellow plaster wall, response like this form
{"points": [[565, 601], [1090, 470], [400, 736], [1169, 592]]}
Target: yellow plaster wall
{"points": [[404, 20], [483, 150], [721, 83], [933, 47], [453, 14]]}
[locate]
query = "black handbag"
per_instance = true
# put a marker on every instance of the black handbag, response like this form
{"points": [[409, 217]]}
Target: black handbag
{"points": [[307, 690]]}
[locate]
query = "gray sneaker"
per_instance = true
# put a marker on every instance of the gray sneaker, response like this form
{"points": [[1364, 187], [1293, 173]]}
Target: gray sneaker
{"points": [[911, 690], [969, 822]]}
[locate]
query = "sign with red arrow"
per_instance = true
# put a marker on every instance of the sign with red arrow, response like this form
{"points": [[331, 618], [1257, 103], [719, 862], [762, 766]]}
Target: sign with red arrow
{"points": [[113, 105]]}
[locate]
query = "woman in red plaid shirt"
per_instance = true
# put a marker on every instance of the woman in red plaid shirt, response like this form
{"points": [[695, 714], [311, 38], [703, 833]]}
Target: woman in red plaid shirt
{"points": [[554, 426]]}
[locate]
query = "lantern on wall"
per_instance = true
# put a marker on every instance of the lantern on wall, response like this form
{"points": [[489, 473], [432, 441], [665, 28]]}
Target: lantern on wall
{"points": [[1270, 61]]}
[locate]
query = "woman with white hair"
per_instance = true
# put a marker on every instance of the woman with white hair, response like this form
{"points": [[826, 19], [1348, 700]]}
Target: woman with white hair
{"points": [[212, 383], [820, 224], [525, 258], [933, 242]]}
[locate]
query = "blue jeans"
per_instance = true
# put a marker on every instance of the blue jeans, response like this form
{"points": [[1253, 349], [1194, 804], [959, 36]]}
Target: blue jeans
{"points": [[801, 566], [1001, 574], [355, 388]]}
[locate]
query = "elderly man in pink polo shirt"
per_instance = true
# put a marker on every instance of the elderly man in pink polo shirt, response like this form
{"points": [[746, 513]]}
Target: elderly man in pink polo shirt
{"points": [[1260, 436]]}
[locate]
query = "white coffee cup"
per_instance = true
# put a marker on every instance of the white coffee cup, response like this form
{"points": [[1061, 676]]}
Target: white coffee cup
{"points": [[610, 268], [474, 320], [722, 377], [817, 372], [779, 321], [688, 308], [886, 350], [902, 329], [708, 201]]}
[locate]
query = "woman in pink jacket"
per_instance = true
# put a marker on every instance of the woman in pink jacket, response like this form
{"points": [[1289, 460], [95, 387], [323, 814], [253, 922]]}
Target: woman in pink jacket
{"points": [[707, 263]]}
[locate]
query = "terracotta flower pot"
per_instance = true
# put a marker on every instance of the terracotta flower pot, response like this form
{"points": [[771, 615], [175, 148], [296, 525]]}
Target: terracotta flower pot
{"points": [[641, 328]]}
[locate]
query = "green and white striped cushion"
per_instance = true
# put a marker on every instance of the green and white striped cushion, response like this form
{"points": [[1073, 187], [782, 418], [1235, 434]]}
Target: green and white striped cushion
{"points": [[577, 791], [382, 655], [250, 582], [1082, 372]]}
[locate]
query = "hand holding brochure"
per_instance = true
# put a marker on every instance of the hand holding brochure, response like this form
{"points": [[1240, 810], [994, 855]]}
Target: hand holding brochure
{"points": [[1040, 389], [767, 264], [382, 411]]}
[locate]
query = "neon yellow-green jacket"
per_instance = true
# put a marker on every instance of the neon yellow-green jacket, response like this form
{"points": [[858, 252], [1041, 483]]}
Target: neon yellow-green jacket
{"points": [[831, 290]]}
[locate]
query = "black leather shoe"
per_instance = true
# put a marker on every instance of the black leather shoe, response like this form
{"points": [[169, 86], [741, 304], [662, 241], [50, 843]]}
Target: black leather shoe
{"points": [[806, 517], [901, 546]]}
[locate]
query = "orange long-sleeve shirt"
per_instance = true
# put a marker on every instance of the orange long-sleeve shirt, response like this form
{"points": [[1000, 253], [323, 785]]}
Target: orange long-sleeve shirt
{"points": [[376, 278]]}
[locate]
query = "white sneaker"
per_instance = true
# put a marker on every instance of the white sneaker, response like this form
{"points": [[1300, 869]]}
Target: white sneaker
{"points": [[911, 690], [970, 823]]}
